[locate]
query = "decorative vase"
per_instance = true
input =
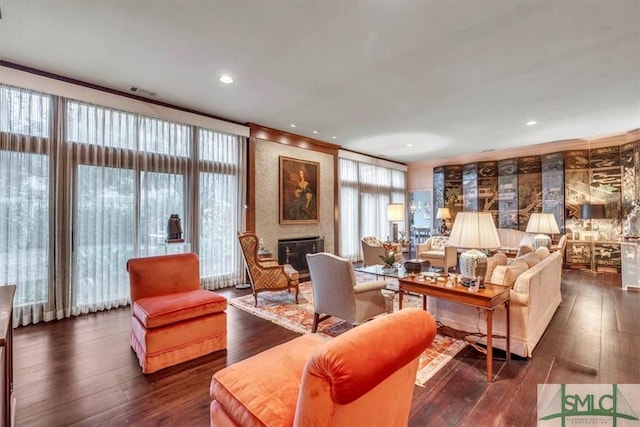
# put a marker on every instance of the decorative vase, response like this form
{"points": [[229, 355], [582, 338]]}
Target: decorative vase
{"points": [[389, 268]]}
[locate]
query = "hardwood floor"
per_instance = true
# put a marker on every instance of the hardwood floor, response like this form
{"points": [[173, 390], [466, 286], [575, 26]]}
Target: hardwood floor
{"points": [[82, 372]]}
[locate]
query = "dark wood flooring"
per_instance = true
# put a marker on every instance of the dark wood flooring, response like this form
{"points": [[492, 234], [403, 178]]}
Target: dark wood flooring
{"points": [[82, 372]]}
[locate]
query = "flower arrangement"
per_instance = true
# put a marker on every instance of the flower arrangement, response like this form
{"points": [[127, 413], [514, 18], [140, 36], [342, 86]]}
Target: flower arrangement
{"points": [[389, 257]]}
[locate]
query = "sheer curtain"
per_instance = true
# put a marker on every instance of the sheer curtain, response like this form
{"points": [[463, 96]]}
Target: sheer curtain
{"points": [[84, 192], [365, 191], [26, 149], [221, 197]]}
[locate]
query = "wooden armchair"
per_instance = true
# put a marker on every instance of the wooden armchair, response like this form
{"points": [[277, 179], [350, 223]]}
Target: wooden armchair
{"points": [[265, 275]]}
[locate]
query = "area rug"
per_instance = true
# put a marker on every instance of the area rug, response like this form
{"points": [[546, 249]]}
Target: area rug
{"points": [[281, 309]]}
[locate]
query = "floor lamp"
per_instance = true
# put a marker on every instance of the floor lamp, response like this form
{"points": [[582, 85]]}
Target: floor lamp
{"points": [[244, 226], [593, 211], [395, 214]]}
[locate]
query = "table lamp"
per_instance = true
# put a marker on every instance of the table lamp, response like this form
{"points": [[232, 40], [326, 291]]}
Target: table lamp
{"points": [[542, 224], [443, 214], [592, 211], [395, 214], [473, 231]]}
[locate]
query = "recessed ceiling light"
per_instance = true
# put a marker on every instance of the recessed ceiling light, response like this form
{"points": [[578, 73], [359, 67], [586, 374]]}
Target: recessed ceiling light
{"points": [[315, 131], [334, 137], [409, 145], [226, 79], [531, 123], [292, 125]]}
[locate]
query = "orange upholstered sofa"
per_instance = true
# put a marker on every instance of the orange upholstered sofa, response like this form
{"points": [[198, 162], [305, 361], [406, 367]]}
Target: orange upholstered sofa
{"points": [[172, 319], [364, 377]]}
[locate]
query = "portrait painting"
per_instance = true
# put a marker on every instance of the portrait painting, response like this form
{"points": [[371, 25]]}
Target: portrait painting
{"points": [[299, 189]]}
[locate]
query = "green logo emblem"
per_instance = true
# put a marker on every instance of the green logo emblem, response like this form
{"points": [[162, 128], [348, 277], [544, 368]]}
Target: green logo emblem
{"points": [[584, 405]]}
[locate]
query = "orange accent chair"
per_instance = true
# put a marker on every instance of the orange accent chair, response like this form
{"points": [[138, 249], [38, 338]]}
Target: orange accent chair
{"points": [[364, 377], [172, 319], [266, 275]]}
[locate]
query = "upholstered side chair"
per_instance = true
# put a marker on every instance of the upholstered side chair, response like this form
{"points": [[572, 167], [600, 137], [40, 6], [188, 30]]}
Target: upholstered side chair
{"points": [[336, 292], [561, 246], [265, 275], [172, 319], [372, 249]]}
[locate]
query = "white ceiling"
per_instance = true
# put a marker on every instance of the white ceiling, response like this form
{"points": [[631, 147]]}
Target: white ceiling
{"points": [[451, 77]]}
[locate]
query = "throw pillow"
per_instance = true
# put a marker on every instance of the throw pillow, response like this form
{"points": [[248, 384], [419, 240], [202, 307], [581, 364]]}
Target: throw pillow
{"points": [[506, 275], [438, 243], [531, 259], [524, 249], [542, 252], [526, 240], [497, 259]]}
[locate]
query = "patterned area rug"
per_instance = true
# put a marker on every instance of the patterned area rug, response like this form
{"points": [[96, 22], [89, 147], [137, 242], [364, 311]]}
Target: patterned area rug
{"points": [[280, 308]]}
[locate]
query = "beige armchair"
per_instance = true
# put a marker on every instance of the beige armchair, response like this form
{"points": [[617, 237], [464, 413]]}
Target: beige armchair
{"points": [[372, 249], [436, 251], [336, 293], [561, 246], [266, 275]]}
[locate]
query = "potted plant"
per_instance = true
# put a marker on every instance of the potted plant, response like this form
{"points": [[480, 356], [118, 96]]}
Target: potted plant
{"points": [[389, 256]]}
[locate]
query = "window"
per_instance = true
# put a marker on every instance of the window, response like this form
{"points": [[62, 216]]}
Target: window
{"points": [[75, 210], [365, 191], [25, 194]]}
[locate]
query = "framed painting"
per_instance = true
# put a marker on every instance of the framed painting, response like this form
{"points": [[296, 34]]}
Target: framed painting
{"points": [[299, 189]]}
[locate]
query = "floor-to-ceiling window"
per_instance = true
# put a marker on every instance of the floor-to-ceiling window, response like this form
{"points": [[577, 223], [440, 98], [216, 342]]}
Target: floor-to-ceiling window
{"points": [[25, 190], [76, 205], [365, 191]]}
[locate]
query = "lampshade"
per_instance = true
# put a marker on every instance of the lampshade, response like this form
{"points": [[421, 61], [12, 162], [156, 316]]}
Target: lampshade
{"points": [[443, 213], [474, 230], [395, 212], [542, 224], [593, 211]]}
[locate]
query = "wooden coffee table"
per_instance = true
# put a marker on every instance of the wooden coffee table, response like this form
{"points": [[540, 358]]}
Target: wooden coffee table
{"points": [[487, 299]]}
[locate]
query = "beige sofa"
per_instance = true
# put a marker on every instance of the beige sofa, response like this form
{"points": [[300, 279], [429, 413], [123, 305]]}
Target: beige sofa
{"points": [[535, 296]]}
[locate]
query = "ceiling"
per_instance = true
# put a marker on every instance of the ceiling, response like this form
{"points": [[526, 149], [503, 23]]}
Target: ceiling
{"points": [[450, 77]]}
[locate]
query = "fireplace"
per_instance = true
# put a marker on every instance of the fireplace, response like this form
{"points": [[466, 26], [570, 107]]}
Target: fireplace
{"points": [[294, 251]]}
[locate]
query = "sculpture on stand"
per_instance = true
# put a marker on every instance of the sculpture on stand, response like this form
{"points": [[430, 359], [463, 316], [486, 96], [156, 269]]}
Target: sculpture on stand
{"points": [[174, 229]]}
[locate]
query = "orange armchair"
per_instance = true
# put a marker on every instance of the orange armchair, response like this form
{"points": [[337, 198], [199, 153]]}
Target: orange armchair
{"points": [[172, 319], [365, 376]]}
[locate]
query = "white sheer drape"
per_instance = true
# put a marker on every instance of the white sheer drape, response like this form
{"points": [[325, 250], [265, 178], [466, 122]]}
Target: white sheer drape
{"points": [[221, 195], [81, 195], [25, 188], [365, 192]]}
